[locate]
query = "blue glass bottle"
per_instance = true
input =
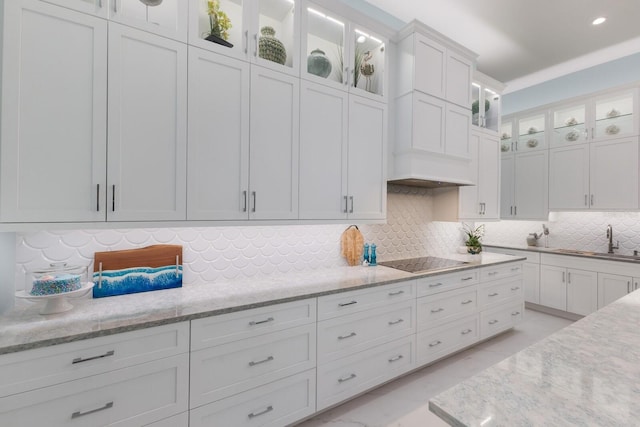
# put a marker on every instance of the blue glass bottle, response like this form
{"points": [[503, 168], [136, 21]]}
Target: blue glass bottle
{"points": [[373, 259], [366, 252]]}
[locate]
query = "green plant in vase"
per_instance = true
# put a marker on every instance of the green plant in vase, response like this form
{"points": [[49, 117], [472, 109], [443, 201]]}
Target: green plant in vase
{"points": [[219, 23], [474, 235]]}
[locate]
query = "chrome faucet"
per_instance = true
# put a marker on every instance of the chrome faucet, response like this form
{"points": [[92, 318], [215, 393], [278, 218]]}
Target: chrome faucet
{"points": [[610, 237]]}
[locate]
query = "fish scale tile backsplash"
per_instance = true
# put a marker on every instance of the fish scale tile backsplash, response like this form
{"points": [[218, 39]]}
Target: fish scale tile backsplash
{"points": [[220, 253]]}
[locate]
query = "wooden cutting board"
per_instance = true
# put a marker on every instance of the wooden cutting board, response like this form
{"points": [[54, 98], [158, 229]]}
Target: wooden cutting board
{"points": [[151, 256], [352, 243]]}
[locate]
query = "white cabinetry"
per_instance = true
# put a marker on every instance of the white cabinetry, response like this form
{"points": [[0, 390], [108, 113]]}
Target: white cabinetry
{"points": [[99, 381], [524, 192], [530, 271], [485, 102], [93, 7], [168, 18], [482, 201], [614, 286], [569, 177], [146, 175], [53, 153], [567, 289]]}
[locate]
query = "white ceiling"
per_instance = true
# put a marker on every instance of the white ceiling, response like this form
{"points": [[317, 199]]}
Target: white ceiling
{"points": [[522, 42]]}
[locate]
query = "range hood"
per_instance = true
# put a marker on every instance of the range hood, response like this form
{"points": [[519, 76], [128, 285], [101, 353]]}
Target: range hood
{"points": [[428, 183], [431, 170]]}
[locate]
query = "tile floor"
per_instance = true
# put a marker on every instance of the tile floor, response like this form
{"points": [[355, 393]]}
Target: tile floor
{"points": [[404, 402]]}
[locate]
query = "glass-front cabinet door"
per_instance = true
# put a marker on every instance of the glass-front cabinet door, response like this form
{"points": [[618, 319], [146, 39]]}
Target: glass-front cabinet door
{"points": [[168, 18], [275, 33], [492, 109], [506, 135], [323, 47], [93, 7], [368, 63], [569, 125], [486, 102], [615, 115], [221, 26], [531, 132]]}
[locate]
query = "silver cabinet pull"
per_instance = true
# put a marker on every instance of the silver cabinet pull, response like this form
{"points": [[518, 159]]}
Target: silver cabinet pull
{"points": [[515, 210], [469, 301], [346, 204], [395, 359], [569, 277], [255, 50], [563, 276], [392, 294], [253, 194], [113, 198], [493, 273], [515, 313], [395, 322], [347, 378], [511, 210], [244, 197], [464, 279], [80, 359], [246, 41], [515, 288], [466, 331], [438, 310], [592, 200], [515, 269], [344, 304], [585, 200], [635, 286], [351, 200], [264, 411], [98, 197], [435, 285], [260, 322], [79, 414], [115, 6], [435, 343], [495, 294], [260, 362], [100, 4], [344, 337], [493, 322]]}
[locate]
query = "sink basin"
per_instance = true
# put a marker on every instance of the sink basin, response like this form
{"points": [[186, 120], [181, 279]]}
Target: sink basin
{"points": [[574, 252], [596, 254]]}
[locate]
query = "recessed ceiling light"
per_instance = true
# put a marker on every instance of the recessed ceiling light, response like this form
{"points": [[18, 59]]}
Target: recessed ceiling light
{"points": [[599, 20]]}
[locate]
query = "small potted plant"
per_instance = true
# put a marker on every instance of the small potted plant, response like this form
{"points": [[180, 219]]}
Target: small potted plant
{"points": [[219, 23], [474, 235]]}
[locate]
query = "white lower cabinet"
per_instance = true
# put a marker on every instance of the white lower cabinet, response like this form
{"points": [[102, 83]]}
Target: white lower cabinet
{"points": [[531, 280], [567, 289], [433, 344], [500, 319], [346, 377], [614, 286], [274, 405]]}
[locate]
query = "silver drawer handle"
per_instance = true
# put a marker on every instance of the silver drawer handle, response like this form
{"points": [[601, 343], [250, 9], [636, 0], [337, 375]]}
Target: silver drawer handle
{"points": [[495, 294], [344, 304], [392, 294], [264, 411], [438, 310], [350, 377], [466, 331], [344, 337], [464, 279], [259, 362], [515, 313], [469, 301], [515, 269], [435, 285], [395, 322], [493, 273], [82, 414], [395, 359], [80, 360], [493, 322], [433, 344], [260, 322], [516, 288]]}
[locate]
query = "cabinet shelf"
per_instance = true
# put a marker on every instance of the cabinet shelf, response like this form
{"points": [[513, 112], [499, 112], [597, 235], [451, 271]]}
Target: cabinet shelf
{"points": [[609, 119]]}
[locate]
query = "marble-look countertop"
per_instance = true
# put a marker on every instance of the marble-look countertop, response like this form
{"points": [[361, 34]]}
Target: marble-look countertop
{"points": [[568, 252], [587, 374], [24, 328]]}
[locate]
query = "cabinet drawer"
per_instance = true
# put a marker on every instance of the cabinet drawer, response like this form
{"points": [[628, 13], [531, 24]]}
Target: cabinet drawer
{"points": [[330, 306], [221, 371], [445, 282], [225, 328], [131, 396], [447, 306], [500, 271], [439, 342], [353, 374], [276, 404], [32, 369], [532, 256], [346, 335], [497, 292], [500, 319]]}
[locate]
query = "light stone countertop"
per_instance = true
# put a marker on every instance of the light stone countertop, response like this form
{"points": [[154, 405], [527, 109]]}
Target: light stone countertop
{"points": [[587, 374], [568, 252], [24, 328]]}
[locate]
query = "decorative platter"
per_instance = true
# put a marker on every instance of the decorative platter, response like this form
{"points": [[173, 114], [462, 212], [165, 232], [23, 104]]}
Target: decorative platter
{"points": [[57, 303]]}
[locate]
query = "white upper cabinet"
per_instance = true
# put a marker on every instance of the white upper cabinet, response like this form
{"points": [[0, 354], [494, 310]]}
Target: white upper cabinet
{"points": [[93, 7], [459, 70], [605, 117], [265, 32], [524, 186], [507, 185], [531, 131], [147, 127], [218, 149], [569, 177], [482, 201], [273, 153], [457, 131], [507, 137], [54, 114], [430, 59], [614, 174], [168, 18], [486, 102]]}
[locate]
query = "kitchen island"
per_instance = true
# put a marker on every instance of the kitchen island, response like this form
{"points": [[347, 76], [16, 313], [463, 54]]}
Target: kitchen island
{"points": [[586, 374]]}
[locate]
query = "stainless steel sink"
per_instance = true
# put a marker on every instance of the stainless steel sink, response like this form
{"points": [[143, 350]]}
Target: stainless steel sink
{"points": [[596, 254], [574, 252]]}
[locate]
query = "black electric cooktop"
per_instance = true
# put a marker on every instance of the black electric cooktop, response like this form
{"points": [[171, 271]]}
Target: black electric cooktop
{"points": [[421, 265]]}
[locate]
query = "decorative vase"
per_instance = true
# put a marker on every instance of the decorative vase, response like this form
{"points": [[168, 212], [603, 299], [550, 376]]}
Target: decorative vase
{"points": [[474, 250], [318, 63], [270, 48]]}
